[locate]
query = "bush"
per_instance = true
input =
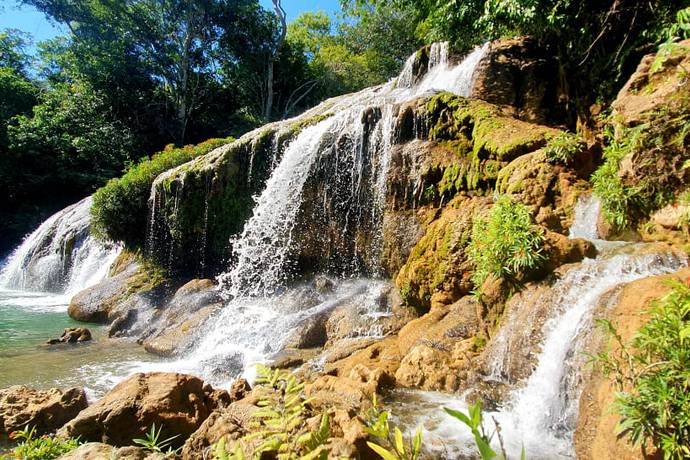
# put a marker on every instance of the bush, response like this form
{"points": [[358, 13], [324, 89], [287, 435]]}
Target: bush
{"points": [[506, 244], [563, 147], [40, 448], [391, 444], [653, 376], [120, 208]]}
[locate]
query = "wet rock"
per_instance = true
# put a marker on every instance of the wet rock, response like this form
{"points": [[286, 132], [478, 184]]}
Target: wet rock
{"points": [[72, 335], [46, 411], [176, 403], [175, 322], [239, 389]]}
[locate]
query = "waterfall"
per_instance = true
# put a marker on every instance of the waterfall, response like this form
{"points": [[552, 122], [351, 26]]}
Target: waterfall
{"points": [[60, 256], [541, 411], [340, 166], [587, 212]]}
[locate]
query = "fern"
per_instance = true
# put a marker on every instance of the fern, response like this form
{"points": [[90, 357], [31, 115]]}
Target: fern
{"points": [[279, 426]]}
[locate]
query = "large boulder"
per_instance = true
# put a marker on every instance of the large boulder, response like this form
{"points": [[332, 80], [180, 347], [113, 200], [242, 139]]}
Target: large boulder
{"points": [[44, 410], [176, 403]]}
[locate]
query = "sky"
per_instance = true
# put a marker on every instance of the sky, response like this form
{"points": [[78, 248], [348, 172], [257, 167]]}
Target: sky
{"points": [[28, 19]]}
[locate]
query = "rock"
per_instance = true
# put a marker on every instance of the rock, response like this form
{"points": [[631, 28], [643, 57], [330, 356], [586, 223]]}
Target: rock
{"points": [[175, 403], [72, 335], [46, 411], [672, 216], [230, 423], [100, 451], [560, 250], [520, 73], [239, 389]]}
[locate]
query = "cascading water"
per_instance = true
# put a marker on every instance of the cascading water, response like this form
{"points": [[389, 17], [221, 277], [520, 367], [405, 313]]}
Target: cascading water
{"points": [[587, 213], [60, 256], [541, 412], [350, 153]]}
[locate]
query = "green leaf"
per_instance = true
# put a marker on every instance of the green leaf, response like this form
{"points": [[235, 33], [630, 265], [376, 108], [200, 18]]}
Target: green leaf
{"points": [[383, 453]]}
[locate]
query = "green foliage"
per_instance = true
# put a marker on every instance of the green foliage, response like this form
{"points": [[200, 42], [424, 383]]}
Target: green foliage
{"points": [[152, 442], [391, 445], [32, 447], [678, 30], [653, 374], [506, 243], [474, 421], [119, 208], [563, 147], [280, 427]]}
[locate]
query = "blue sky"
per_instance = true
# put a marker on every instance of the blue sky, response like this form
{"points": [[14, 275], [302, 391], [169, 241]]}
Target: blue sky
{"points": [[32, 21]]}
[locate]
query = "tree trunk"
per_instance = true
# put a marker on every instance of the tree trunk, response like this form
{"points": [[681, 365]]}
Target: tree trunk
{"points": [[280, 12]]}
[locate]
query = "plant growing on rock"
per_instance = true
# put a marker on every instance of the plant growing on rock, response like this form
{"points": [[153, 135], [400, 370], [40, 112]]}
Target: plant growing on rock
{"points": [[120, 207], [653, 376], [31, 447], [505, 244], [563, 147], [153, 442], [679, 30], [280, 426], [391, 445]]}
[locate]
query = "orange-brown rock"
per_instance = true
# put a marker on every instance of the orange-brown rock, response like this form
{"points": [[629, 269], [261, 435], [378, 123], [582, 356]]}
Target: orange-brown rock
{"points": [[176, 403], [46, 411]]}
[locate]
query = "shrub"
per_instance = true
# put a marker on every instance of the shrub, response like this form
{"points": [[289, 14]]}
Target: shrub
{"points": [[652, 375], [280, 425], [31, 447], [563, 147], [120, 208], [505, 244]]}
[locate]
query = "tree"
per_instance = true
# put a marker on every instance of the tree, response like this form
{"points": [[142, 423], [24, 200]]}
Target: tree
{"points": [[280, 14]]}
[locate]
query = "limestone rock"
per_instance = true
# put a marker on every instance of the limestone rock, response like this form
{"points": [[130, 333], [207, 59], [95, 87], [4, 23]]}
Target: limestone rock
{"points": [[176, 403], [671, 216], [45, 410]]}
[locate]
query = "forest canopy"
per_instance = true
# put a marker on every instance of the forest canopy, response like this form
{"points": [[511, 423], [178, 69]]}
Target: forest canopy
{"points": [[128, 78]]}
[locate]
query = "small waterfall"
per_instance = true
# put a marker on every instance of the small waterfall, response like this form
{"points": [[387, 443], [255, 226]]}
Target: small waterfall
{"points": [[587, 210], [59, 256]]}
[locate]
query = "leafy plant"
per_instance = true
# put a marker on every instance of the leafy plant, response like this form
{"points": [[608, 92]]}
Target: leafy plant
{"points": [[505, 244], [391, 446], [120, 207], [474, 421], [652, 375], [153, 442], [563, 147], [678, 30], [280, 425], [31, 447]]}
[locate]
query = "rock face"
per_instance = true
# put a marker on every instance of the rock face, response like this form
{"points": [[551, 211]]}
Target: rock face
{"points": [[46, 411], [521, 74], [72, 335], [595, 432], [176, 403]]}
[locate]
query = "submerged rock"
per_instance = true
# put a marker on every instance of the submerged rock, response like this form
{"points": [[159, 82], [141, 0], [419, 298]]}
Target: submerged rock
{"points": [[72, 335], [44, 410], [176, 403]]}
